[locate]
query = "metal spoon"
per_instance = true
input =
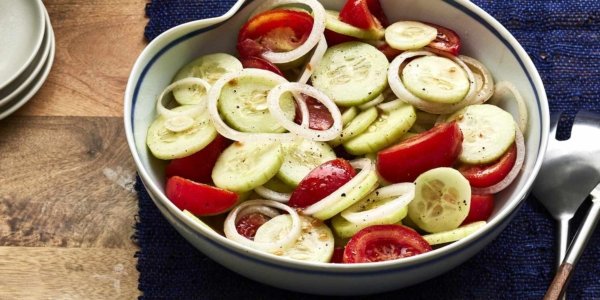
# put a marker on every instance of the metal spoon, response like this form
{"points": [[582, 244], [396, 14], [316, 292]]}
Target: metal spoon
{"points": [[570, 170]]}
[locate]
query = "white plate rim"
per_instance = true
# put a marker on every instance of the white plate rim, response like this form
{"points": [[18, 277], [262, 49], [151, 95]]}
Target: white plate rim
{"points": [[40, 79], [38, 43]]}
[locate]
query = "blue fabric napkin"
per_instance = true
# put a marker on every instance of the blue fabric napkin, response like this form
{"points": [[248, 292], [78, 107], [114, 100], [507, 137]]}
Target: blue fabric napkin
{"points": [[562, 38]]}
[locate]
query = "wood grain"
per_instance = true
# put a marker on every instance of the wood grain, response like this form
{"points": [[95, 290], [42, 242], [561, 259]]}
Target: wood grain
{"points": [[67, 273], [66, 181], [97, 44]]}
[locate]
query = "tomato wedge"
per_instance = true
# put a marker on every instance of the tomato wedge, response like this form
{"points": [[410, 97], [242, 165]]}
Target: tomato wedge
{"points": [[198, 166], [260, 63], [481, 208], [333, 38], [278, 30], [387, 50], [447, 40], [319, 117], [437, 147], [248, 224], [482, 176], [384, 242], [322, 181], [198, 198], [366, 14], [338, 255]]}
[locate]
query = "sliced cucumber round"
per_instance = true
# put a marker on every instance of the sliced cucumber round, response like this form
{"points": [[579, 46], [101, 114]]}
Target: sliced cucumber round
{"points": [[316, 242], [357, 126], [349, 115], [409, 35], [243, 104], [488, 133], [436, 79], [244, 166], [346, 200], [208, 67], [351, 73], [385, 131], [346, 229], [333, 23], [301, 158], [442, 200], [167, 144], [453, 235]]}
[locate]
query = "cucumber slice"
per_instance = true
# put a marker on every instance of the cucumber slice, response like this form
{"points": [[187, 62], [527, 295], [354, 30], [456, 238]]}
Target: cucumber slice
{"points": [[208, 67], [385, 131], [357, 126], [244, 166], [167, 144], [243, 104], [275, 184], [346, 200], [351, 73], [349, 115], [333, 23], [488, 133], [316, 242], [345, 229], [453, 235], [436, 79], [409, 35], [302, 158], [442, 200]]}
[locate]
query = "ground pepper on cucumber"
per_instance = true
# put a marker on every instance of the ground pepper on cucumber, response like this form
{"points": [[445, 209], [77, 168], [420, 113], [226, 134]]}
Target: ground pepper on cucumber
{"points": [[337, 136]]}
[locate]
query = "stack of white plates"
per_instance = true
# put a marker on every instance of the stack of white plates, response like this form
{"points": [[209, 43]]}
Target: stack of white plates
{"points": [[26, 52]]}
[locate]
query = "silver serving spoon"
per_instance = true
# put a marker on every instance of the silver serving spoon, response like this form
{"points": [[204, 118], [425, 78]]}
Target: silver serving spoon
{"points": [[570, 170]]}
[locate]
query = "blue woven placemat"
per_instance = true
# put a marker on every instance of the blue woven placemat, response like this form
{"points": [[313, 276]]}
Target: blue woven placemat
{"points": [[562, 38]]}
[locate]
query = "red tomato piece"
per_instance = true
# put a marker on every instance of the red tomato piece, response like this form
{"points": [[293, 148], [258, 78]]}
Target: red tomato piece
{"points": [[260, 63], [487, 175], [319, 117], [447, 40], [338, 255], [437, 147], [322, 181], [198, 166], [198, 198], [366, 14], [384, 242], [277, 30], [481, 208], [248, 224], [387, 50], [333, 38]]}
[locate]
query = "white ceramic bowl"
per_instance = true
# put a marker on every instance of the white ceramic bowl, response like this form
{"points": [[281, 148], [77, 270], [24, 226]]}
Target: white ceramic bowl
{"points": [[483, 38]]}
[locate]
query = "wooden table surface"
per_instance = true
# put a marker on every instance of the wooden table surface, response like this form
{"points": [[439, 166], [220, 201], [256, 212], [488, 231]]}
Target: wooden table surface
{"points": [[67, 204]]}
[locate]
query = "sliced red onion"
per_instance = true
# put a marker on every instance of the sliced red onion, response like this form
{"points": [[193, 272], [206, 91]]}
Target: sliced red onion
{"points": [[379, 99], [289, 240], [402, 93], [487, 89], [365, 165], [222, 127], [273, 100], [510, 177], [403, 192], [318, 13], [181, 121], [503, 86], [315, 60], [273, 195]]}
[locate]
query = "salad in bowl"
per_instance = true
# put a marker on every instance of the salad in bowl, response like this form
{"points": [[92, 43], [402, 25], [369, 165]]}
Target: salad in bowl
{"points": [[332, 136]]}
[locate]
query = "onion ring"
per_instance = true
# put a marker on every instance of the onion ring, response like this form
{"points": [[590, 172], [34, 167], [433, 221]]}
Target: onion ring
{"points": [[403, 193], [181, 121], [272, 195], [289, 240], [521, 106], [314, 61], [487, 89], [303, 130], [372, 103], [318, 12]]}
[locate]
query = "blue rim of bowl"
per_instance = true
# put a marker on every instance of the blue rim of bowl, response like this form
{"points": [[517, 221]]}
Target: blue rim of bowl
{"points": [[355, 272]]}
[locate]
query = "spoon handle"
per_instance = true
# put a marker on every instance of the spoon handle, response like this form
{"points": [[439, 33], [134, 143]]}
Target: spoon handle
{"points": [[561, 279]]}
